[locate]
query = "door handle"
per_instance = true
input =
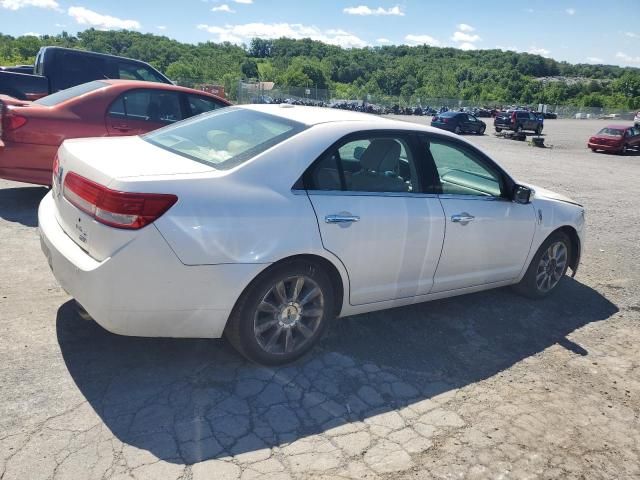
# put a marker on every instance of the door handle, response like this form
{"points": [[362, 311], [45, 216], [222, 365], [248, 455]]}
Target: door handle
{"points": [[462, 218], [122, 128], [341, 218]]}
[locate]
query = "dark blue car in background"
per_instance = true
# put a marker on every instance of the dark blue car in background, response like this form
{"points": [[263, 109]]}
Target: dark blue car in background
{"points": [[459, 122]]}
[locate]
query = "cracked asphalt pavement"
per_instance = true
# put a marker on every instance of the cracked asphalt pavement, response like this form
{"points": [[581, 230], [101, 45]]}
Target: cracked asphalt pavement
{"points": [[488, 385]]}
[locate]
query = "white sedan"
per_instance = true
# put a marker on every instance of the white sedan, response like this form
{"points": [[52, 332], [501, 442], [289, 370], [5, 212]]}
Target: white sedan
{"points": [[264, 222]]}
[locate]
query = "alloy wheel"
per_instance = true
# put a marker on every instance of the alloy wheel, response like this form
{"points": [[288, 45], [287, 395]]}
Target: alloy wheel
{"points": [[289, 315], [551, 266]]}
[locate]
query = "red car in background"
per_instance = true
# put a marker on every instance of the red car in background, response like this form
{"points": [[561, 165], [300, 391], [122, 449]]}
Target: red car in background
{"points": [[616, 138], [31, 132]]}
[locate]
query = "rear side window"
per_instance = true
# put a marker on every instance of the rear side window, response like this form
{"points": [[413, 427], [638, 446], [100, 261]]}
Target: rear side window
{"points": [[69, 93], [148, 105], [374, 163], [226, 137], [132, 71], [76, 68]]}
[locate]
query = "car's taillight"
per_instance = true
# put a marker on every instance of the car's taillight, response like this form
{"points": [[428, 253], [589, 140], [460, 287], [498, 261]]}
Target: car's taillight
{"points": [[12, 121], [116, 209]]}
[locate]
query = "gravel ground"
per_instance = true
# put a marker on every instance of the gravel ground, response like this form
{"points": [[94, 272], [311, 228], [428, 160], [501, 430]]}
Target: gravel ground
{"points": [[488, 385]]}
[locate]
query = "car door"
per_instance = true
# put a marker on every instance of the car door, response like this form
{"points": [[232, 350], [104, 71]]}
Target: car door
{"points": [[474, 124], [488, 236], [373, 216], [140, 111]]}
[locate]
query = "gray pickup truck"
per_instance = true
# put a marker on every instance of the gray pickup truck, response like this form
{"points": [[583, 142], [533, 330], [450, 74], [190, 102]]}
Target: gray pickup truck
{"points": [[519, 121], [59, 68]]}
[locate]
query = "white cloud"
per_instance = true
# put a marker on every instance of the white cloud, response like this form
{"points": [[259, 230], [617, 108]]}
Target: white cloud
{"points": [[467, 46], [509, 48], [632, 35], [223, 8], [84, 16], [570, 11], [363, 10], [465, 37], [595, 60], [627, 58], [422, 39], [18, 4], [244, 33], [31, 34], [539, 51], [529, 10], [463, 27], [383, 40], [244, 2], [161, 27], [60, 25]]}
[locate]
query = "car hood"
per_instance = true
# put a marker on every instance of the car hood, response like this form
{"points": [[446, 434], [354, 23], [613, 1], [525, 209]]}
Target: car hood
{"points": [[543, 193]]}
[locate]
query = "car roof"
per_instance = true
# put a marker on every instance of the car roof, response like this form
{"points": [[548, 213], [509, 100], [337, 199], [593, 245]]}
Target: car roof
{"points": [[158, 86], [316, 115]]}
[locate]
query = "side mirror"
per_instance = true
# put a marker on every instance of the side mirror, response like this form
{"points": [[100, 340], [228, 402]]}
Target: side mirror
{"points": [[522, 194]]}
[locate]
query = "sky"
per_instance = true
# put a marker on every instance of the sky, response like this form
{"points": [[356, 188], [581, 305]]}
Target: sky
{"points": [[578, 31]]}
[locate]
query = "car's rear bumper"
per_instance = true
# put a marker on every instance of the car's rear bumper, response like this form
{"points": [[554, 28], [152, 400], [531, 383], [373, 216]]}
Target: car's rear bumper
{"points": [[143, 289], [27, 162]]}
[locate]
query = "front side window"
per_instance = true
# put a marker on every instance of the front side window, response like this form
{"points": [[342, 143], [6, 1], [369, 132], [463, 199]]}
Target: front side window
{"points": [[368, 164], [461, 171], [148, 105], [226, 137]]}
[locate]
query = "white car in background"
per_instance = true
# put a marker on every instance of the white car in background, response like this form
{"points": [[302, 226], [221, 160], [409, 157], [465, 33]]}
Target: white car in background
{"points": [[636, 119], [263, 222]]}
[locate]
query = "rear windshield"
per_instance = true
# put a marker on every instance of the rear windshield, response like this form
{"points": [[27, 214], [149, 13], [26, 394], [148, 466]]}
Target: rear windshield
{"points": [[224, 138], [613, 132], [69, 93]]}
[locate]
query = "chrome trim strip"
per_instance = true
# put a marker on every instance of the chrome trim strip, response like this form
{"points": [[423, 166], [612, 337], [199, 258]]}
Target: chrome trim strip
{"points": [[346, 193]]}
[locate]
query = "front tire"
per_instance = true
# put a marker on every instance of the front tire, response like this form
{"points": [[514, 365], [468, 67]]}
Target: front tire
{"points": [[482, 130], [457, 130], [498, 129], [548, 267], [282, 314]]}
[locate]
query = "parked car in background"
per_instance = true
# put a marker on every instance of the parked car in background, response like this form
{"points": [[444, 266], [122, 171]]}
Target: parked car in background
{"points": [[636, 120], [459, 122], [32, 131], [616, 139], [377, 213], [550, 115], [59, 68], [519, 121]]}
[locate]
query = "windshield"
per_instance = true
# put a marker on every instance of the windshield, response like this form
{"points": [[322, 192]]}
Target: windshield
{"points": [[613, 132], [69, 93], [224, 138]]}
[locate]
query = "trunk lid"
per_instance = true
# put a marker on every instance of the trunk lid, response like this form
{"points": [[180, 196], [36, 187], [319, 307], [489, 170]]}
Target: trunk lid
{"points": [[127, 164]]}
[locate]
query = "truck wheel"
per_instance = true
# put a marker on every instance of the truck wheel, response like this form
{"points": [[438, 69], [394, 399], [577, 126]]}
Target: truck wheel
{"points": [[498, 129]]}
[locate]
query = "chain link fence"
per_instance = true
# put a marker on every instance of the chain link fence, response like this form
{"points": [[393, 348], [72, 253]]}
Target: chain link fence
{"points": [[267, 92]]}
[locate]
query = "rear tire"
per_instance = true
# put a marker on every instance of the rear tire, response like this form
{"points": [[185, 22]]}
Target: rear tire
{"points": [[482, 130], [457, 130], [519, 129], [625, 149], [547, 268], [538, 130], [498, 129], [282, 314]]}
